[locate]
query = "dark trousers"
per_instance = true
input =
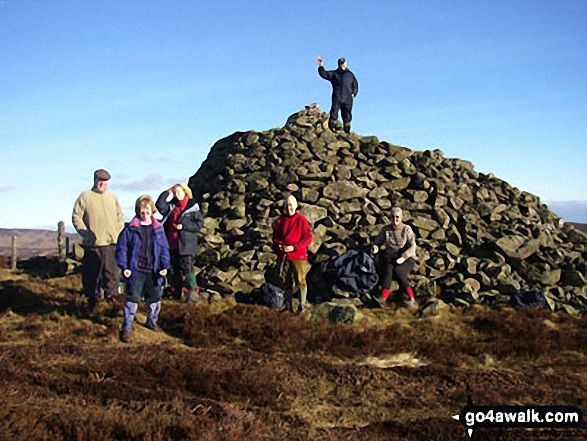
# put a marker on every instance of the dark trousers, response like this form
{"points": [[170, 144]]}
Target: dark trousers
{"points": [[145, 286], [345, 109], [400, 273], [182, 269], [99, 262]]}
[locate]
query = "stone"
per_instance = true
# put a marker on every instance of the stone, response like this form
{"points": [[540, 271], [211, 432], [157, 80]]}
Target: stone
{"points": [[397, 184], [453, 249], [425, 224], [313, 213], [310, 195], [442, 218], [215, 239], [472, 285], [517, 246], [343, 190], [433, 307], [418, 195], [335, 313], [251, 139], [229, 224], [472, 263], [351, 207], [570, 309], [550, 278], [573, 278], [378, 193], [255, 278], [550, 300]]}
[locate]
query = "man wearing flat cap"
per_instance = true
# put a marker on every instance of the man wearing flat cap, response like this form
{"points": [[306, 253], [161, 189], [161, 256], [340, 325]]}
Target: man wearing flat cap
{"points": [[344, 90], [98, 219]]}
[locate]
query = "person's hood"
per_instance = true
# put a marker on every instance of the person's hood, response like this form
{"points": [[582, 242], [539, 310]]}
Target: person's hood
{"points": [[136, 222]]}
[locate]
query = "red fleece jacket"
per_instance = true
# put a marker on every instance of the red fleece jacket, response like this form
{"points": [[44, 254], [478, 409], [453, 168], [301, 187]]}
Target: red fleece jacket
{"points": [[174, 217], [292, 230]]}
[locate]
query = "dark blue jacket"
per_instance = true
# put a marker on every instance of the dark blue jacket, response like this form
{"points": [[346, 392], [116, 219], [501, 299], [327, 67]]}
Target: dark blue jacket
{"points": [[344, 84], [129, 247], [192, 221], [354, 271]]}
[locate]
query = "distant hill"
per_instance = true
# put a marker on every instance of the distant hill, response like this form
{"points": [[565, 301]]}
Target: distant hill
{"points": [[580, 227], [32, 242]]}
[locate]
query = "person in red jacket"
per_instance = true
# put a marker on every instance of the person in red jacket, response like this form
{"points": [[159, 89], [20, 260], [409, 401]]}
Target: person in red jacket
{"points": [[291, 237]]}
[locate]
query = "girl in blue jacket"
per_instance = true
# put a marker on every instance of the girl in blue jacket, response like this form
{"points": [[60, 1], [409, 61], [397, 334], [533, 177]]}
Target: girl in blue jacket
{"points": [[142, 253]]}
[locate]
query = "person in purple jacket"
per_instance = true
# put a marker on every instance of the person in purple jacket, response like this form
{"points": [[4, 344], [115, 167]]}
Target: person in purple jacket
{"points": [[142, 253]]}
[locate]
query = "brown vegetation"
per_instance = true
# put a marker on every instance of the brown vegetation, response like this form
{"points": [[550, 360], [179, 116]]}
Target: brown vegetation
{"points": [[234, 372]]}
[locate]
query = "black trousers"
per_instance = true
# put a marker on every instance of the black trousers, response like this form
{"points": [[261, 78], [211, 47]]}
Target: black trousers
{"points": [[100, 262], [397, 272], [346, 110]]}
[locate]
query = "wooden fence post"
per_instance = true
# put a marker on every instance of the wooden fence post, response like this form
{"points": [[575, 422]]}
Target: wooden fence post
{"points": [[14, 253], [62, 241]]}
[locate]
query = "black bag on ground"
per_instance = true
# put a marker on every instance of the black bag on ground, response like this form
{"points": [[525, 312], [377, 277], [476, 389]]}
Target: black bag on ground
{"points": [[272, 296], [267, 295]]}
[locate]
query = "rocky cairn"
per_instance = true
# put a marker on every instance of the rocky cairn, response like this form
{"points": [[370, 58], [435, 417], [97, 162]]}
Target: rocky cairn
{"points": [[480, 240]]}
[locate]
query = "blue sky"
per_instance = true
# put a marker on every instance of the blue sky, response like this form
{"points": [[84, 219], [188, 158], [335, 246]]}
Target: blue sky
{"points": [[145, 88]]}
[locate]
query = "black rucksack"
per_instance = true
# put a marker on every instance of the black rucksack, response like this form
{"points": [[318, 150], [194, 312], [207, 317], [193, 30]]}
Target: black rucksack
{"points": [[528, 299], [267, 295]]}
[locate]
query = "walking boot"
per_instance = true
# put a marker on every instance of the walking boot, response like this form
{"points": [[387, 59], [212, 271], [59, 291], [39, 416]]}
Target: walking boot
{"points": [[125, 336], [332, 125], [194, 297], [412, 304]]}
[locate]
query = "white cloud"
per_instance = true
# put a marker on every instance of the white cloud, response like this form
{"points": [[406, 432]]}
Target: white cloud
{"points": [[150, 182], [5, 188]]}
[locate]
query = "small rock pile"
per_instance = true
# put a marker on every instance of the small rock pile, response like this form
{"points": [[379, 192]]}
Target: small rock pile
{"points": [[480, 238]]}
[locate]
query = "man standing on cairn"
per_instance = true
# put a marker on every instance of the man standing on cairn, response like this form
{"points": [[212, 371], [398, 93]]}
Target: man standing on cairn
{"points": [[344, 90]]}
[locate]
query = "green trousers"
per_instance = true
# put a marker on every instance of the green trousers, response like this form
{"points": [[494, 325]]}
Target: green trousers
{"points": [[294, 277]]}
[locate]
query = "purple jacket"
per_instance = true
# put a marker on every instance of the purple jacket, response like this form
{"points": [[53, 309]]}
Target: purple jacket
{"points": [[129, 247]]}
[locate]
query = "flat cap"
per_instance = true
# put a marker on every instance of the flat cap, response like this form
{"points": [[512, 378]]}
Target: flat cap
{"points": [[102, 175]]}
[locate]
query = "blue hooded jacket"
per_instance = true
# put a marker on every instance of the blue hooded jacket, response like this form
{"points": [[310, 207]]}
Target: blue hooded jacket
{"points": [[129, 247]]}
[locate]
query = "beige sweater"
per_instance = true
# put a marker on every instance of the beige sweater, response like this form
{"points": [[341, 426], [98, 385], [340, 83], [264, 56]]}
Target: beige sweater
{"points": [[397, 241], [97, 217]]}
